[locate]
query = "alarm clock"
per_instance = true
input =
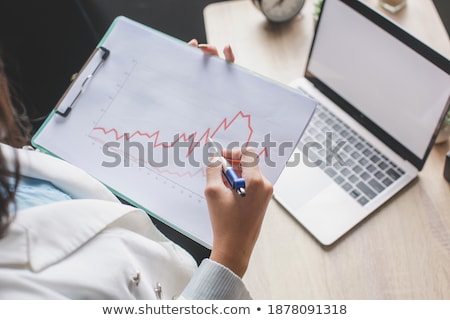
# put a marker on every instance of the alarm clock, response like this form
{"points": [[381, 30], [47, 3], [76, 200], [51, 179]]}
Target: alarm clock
{"points": [[279, 10]]}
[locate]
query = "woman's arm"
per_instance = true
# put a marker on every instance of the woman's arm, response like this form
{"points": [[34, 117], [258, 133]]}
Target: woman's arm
{"points": [[236, 223]]}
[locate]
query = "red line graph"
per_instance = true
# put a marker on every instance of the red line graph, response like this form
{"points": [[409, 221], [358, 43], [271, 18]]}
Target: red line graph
{"points": [[193, 139], [225, 124]]}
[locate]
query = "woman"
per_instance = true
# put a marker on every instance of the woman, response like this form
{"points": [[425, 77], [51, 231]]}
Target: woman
{"points": [[65, 236]]}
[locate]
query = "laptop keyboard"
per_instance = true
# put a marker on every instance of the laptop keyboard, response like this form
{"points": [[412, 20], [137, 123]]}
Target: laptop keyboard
{"points": [[353, 163]]}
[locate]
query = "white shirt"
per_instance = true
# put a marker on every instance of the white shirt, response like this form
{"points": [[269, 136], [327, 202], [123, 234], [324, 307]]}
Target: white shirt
{"points": [[94, 247]]}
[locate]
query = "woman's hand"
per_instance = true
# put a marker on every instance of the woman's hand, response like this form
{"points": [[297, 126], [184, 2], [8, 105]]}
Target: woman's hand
{"points": [[209, 49], [236, 220]]}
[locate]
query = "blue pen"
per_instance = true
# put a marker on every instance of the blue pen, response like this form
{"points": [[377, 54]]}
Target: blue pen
{"points": [[234, 181]]}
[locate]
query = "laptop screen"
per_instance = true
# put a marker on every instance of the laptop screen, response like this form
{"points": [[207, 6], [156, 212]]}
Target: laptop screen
{"points": [[383, 80]]}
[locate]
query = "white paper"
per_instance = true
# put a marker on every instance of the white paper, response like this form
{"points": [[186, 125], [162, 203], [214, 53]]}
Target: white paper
{"points": [[160, 91]]}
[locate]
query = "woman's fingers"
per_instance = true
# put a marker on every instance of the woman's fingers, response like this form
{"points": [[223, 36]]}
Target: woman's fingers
{"points": [[228, 53], [209, 49], [193, 43], [212, 50]]}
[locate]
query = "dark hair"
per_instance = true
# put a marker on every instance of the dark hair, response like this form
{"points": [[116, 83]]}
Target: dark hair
{"points": [[13, 131], [7, 191], [14, 125]]}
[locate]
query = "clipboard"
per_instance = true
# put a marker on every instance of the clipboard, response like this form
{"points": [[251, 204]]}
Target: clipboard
{"points": [[104, 54], [141, 109]]}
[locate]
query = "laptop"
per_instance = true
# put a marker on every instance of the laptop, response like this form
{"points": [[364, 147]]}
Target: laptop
{"points": [[382, 96]]}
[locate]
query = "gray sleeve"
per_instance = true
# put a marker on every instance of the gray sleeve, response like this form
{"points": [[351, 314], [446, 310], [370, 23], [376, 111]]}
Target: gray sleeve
{"points": [[213, 281]]}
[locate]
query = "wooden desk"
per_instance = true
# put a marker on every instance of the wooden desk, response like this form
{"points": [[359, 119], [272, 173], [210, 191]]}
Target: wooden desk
{"points": [[400, 252]]}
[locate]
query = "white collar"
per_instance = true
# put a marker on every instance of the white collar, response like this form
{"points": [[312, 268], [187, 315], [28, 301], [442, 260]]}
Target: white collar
{"points": [[44, 235], [70, 179]]}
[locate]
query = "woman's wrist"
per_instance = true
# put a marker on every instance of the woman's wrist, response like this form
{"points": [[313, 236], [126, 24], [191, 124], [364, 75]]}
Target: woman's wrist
{"points": [[234, 260]]}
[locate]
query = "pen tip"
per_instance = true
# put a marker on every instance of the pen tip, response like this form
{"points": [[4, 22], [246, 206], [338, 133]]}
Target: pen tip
{"points": [[241, 192]]}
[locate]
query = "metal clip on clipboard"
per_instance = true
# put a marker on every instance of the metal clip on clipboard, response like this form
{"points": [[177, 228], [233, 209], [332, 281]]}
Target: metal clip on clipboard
{"points": [[104, 55]]}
